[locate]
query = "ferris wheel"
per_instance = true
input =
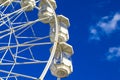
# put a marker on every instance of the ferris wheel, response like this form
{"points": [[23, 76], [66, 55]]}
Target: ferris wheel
{"points": [[33, 40]]}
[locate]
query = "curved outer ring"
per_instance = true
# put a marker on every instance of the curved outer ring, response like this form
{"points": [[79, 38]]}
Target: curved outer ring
{"points": [[54, 45]]}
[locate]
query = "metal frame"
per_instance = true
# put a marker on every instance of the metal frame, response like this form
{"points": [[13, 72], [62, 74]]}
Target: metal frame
{"points": [[24, 25]]}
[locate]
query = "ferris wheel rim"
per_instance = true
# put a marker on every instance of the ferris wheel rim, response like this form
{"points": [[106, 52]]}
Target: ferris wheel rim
{"points": [[54, 45]]}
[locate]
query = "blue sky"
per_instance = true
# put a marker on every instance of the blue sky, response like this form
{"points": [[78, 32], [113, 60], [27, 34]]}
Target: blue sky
{"points": [[94, 35]]}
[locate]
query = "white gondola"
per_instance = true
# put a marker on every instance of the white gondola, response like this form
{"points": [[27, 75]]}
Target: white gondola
{"points": [[63, 34], [63, 48], [66, 48], [28, 4], [46, 10], [45, 3], [63, 69]]}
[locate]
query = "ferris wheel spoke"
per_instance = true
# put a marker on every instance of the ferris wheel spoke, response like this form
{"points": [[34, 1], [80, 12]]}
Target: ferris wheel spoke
{"points": [[7, 60], [9, 14], [14, 58], [30, 25], [16, 28], [24, 49], [24, 63], [19, 1], [4, 22], [20, 75], [25, 45], [18, 23], [5, 35], [24, 30], [5, 10], [14, 64], [2, 59], [12, 53], [6, 49], [16, 17], [27, 24], [25, 58], [22, 26], [10, 71], [36, 7], [25, 37], [1, 7], [6, 43], [31, 53], [9, 77], [3, 55], [16, 78], [35, 44], [17, 11], [5, 3], [13, 6], [30, 61], [35, 39]]}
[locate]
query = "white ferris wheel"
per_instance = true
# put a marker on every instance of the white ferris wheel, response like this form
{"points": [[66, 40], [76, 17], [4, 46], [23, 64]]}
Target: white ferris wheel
{"points": [[33, 40]]}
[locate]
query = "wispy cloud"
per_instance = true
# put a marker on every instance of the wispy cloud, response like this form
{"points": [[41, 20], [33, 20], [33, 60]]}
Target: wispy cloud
{"points": [[109, 25], [113, 54], [94, 34], [105, 26]]}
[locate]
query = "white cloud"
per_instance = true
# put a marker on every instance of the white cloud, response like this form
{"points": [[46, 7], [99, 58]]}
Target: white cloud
{"points": [[109, 25], [105, 26], [113, 53], [94, 35]]}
